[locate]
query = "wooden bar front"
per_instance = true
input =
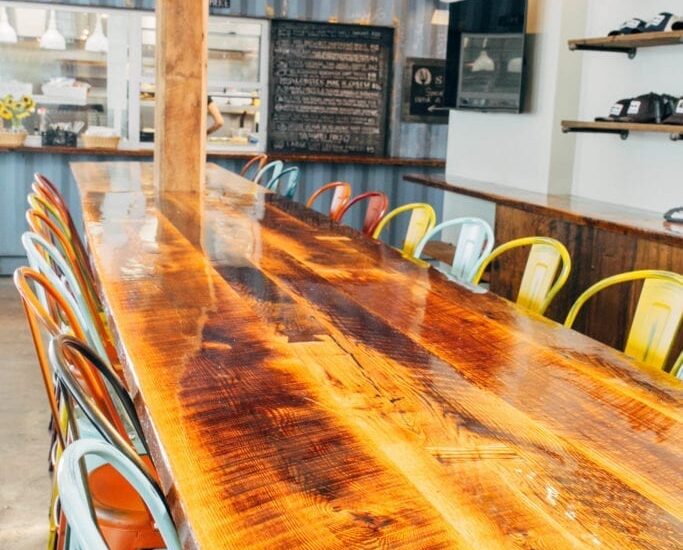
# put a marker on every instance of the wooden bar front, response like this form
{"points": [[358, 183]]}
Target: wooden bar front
{"points": [[302, 386]]}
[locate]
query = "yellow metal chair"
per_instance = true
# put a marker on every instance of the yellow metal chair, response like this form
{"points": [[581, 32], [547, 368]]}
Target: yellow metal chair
{"points": [[657, 318], [537, 289], [422, 220]]}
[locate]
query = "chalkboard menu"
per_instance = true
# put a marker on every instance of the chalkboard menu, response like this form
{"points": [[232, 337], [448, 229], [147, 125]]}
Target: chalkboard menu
{"points": [[329, 88]]}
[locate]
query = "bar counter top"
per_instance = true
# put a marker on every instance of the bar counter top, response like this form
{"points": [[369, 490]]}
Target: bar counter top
{"points": [[620, 219], [239, 155], [302, 386]]}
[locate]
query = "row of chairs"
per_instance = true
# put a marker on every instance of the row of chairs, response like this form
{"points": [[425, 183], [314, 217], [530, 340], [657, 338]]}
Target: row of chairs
{"points": [[657, 319], [106, 491]]}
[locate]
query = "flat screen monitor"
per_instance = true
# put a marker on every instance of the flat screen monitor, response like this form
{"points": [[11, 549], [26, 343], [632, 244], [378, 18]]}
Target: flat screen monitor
{"points": [[486, 60]]}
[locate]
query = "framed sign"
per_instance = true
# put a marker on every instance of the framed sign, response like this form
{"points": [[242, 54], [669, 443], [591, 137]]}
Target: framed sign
{"points": [[424, 84]]}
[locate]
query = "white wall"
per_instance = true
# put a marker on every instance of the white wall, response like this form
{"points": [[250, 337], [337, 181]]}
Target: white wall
{"points": [[517, 150], [645, 171], [529, 151]]}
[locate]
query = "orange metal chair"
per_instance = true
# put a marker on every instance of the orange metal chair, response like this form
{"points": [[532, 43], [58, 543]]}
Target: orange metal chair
{"points": [[257, 162], [341, 196], [121, 514], [26, 280], [377, 206], [49, 192], [63, 318], [41, 224]]}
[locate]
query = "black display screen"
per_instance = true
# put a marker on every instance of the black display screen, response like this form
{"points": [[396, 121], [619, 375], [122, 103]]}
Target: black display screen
{"points": [[486, 67]]}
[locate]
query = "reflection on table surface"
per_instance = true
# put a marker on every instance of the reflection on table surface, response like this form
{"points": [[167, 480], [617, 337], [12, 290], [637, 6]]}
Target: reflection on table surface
{"points": [[302, 385]]}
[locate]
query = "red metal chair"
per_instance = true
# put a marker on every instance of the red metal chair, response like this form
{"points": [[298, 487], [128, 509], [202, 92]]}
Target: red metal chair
{"points": [[375, 211], [342, 194]]}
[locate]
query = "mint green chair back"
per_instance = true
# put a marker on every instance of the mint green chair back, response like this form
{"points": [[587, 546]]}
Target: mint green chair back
{"points": [[474, 243], [75, 501], [269, 171], [290, 178]]}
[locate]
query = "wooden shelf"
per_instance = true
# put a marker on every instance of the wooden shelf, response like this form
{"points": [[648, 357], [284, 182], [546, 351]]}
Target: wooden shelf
{"points": [[622, 128], [629, 43]]}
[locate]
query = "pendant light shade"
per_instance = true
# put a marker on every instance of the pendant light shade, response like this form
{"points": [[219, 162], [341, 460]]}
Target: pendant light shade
{"points": [[7, 33], [52, 39], [97, 42]]}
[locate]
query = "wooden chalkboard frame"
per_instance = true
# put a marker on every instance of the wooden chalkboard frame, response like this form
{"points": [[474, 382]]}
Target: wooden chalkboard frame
{"points": [[386, 105]]}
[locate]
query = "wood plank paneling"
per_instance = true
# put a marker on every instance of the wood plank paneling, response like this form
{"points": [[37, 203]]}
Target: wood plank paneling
{"points": [[596, 253], [181, 97]]}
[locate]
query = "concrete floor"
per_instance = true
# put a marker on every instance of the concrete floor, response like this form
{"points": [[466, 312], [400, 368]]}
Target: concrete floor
{"points": [[24, 479]]}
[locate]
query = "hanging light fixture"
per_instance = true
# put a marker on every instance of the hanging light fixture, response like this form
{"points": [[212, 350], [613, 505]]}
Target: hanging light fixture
{"points": [[52, 39], [7, 33], [97, 41]]}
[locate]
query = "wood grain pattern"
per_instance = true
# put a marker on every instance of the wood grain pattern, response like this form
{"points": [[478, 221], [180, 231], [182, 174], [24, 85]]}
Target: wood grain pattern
{"points": [[181, 53], [302, 386], [611, 217], [640, 40], [573, 125]]}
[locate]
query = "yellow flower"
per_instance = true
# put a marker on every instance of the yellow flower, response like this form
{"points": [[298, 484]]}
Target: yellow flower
{"points": [[5, 113]]}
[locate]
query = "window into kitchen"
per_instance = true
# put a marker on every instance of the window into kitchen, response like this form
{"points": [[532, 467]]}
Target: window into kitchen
{"points": [[90, 72], [237, 81]]}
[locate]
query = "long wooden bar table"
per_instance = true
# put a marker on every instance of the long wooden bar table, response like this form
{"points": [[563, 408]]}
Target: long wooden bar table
{"points": [[302, 386]]}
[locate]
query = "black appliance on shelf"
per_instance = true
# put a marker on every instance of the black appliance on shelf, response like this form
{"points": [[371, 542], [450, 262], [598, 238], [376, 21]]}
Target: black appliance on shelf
{"points": [[486, 65]]}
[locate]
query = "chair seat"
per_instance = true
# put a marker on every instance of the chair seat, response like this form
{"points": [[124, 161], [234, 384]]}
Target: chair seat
{"points": [[121, 513]]}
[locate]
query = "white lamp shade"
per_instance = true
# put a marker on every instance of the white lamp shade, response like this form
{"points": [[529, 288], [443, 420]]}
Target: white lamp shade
{"points": [[97, 42], [52, 39], [7, 33]]}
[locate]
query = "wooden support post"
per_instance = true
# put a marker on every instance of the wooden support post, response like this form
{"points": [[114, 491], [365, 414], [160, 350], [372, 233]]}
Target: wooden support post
{"points": [[180, 116]]}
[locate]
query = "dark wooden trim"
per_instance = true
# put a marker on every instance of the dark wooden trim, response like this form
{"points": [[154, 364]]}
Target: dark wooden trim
{"points": [[619, 219], [629, 41], [289, 157]]}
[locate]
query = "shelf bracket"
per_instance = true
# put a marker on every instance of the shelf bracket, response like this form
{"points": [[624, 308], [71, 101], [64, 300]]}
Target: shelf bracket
{"points": [[623, 134], [630, 52]]}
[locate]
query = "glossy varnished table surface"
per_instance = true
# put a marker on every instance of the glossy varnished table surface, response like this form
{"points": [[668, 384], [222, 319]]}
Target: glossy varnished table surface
{"points": [[304, 387]]}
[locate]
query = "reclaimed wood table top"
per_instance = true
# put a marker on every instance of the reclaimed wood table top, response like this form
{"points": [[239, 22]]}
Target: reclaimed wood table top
{"points": [[302, 386]]}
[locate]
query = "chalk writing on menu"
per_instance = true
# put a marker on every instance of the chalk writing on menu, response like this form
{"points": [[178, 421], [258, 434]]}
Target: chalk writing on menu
{"points": [[329, 88]]}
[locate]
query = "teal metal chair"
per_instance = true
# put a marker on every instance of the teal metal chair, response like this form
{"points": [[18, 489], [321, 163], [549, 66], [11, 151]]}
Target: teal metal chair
{"points": [[474, 243], [290, 178], [269, 171], [83, 532], [38, 251]]}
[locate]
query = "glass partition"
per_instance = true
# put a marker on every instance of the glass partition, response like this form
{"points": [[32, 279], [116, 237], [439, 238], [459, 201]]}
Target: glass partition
{"points": [[237, 81], [74, 79], [86, 66]]}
